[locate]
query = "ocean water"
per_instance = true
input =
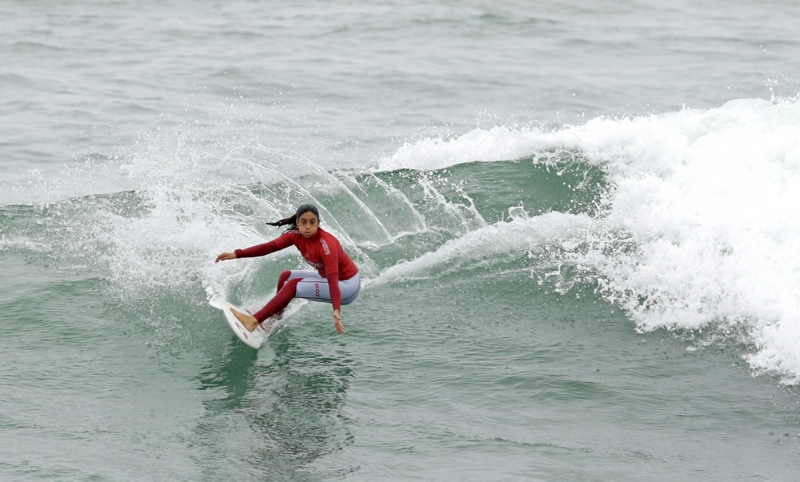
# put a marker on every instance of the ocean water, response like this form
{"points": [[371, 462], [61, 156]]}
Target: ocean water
{"points": [[576, 224]]}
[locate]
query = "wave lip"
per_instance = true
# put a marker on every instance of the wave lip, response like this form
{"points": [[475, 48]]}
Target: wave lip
{"points": [[499, 143]]}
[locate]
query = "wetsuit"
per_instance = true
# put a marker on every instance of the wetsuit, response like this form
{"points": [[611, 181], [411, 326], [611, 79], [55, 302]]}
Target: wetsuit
{"points": [[336, 280]]}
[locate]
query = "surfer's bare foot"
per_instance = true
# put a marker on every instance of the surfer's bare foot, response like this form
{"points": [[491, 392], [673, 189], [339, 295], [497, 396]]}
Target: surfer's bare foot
{"points": [[248, 321]]}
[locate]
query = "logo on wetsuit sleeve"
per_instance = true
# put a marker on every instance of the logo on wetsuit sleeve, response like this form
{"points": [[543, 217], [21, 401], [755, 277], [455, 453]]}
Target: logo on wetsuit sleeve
{"points": [[325, 246]]}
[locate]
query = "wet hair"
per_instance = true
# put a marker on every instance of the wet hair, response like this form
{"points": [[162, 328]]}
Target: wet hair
{"points": [[292, 220]]}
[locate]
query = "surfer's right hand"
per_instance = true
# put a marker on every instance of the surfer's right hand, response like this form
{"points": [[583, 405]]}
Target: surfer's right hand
{"points": [[337, 322], [225, 256]]}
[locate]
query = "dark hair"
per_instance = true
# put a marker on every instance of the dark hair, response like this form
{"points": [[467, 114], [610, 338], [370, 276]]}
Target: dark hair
{"points": [[292, 220]]}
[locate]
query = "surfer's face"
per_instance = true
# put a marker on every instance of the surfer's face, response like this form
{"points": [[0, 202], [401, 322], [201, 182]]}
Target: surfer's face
{"points": [[308, 223]]}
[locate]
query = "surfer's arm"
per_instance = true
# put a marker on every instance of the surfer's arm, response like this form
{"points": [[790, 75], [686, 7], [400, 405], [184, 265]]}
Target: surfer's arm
{"points": [[267, 248], [336, 293], [330, 261], [336, 300], [258, 250]]}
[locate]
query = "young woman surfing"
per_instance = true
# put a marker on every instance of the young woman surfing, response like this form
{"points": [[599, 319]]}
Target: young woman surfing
{"points": [[336, 280]]}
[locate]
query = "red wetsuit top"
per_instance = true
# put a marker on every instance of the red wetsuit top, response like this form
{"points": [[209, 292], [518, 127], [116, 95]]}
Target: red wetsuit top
{"points": [[322, 251]]}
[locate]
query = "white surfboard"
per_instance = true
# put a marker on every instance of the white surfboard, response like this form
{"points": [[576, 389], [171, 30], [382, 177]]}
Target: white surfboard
{"points": [[253, 338]]}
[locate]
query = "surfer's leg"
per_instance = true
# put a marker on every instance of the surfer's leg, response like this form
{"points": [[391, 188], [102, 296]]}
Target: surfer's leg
{"points": [[289, 275], [281, 281], [283, 278], [350, 289], [279, 302], [301, 273], [316, 288], [287, 289]]}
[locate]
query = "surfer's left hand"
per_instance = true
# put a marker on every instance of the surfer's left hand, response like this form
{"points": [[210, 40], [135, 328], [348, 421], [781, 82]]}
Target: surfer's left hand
{"points": [[337, 320]]}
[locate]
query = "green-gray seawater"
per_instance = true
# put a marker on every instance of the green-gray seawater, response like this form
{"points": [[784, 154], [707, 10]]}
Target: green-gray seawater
{"points": [[575, 223], [482, 365]]}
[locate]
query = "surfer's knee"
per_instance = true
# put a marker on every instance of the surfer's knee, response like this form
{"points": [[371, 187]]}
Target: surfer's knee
{"points": [[292, 285], [282, 278]]}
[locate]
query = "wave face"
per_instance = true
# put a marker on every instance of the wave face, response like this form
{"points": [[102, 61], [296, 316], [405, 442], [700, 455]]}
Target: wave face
{"points": [[684, 220]]}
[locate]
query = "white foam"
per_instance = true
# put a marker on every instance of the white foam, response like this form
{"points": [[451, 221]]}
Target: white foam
{"points": [[708, 198], [496, 144], [716, 225]]}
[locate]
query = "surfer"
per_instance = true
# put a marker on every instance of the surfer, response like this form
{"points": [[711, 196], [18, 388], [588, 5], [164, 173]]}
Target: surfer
{"points": [[336, 279]]}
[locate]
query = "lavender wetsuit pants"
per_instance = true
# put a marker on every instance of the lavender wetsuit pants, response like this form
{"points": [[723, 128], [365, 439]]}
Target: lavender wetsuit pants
{"points": [[315, 288]]}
